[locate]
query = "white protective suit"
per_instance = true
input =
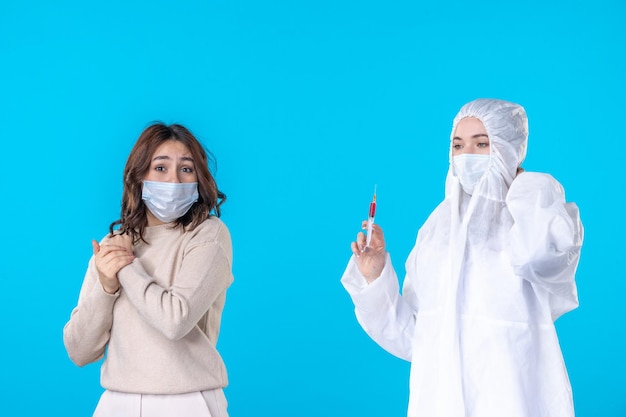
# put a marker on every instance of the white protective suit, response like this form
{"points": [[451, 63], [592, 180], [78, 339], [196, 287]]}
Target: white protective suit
{"points": [[487, 277]]}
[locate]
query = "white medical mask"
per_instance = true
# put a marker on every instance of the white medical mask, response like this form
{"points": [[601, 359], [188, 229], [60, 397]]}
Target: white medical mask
{"points": [[469, 169], [168, 201]]}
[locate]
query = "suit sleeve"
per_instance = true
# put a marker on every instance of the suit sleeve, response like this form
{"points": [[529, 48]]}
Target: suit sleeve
{"points": [[384, 314], [546, 238]]}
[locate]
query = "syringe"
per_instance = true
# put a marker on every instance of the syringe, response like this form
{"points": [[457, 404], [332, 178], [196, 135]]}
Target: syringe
{"points": [[370, 219]]}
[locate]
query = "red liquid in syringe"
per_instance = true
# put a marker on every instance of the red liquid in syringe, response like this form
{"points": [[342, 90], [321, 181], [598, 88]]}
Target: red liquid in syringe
{"points": [[370, 219], [373, 208]]}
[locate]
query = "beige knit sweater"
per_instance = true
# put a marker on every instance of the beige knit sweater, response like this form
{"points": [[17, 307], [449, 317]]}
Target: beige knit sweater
{"points": [[160, 329]]}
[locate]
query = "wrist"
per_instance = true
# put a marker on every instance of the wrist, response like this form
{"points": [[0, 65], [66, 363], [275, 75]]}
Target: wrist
{"points": [[110, 289]]}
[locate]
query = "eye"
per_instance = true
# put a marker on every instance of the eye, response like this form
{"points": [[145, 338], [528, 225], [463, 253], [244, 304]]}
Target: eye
{"points": [[456, 146], [159, 168], [187, 170], [483, 144]]}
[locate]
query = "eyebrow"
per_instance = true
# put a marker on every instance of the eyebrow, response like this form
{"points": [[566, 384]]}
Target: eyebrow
{"points": [[479, 135], [165, 157]]}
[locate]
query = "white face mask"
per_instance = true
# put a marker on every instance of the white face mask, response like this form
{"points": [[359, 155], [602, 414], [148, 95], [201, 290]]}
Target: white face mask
{"points": [[168, 201], [469, 169]]}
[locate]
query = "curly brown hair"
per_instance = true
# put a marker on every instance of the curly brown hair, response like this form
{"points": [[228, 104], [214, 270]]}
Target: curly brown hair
{"points": [[133, 218]]}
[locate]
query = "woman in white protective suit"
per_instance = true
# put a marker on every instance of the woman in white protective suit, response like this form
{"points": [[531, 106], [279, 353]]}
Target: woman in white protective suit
{"points": [[491, 269]]}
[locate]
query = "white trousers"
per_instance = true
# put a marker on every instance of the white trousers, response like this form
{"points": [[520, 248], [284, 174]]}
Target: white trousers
{"points": [[210, 403]]}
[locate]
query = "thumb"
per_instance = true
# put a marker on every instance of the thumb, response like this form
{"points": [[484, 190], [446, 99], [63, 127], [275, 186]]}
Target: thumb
{"points": [[95, 246]]}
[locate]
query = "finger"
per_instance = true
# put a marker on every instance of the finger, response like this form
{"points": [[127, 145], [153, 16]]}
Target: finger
{"points": [[121, 262], [115, 241], [112, 265], [355, 249], [95, 246], [120, 239], [117, 257], [124, 241], [377, 241], [108, 248], [360, 241]]}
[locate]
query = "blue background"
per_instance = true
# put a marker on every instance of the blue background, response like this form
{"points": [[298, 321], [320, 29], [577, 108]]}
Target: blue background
{"points": [[306, 105]]}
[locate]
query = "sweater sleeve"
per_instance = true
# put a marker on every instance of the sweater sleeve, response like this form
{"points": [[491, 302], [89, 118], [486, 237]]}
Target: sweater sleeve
{"points": [[87, 332], [384, 314], [204, 275], [546, 238]]}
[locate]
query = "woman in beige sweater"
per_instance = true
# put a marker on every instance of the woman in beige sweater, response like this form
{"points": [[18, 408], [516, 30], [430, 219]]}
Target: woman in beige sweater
{"points": [[152, 298]]}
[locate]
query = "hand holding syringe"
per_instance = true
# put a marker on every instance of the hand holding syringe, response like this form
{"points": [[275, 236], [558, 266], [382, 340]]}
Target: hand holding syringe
{"points": [[369, 251]]}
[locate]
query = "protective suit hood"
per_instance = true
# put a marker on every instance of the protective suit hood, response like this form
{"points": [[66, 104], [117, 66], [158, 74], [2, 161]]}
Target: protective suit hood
{"points": [[507, 127]]}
